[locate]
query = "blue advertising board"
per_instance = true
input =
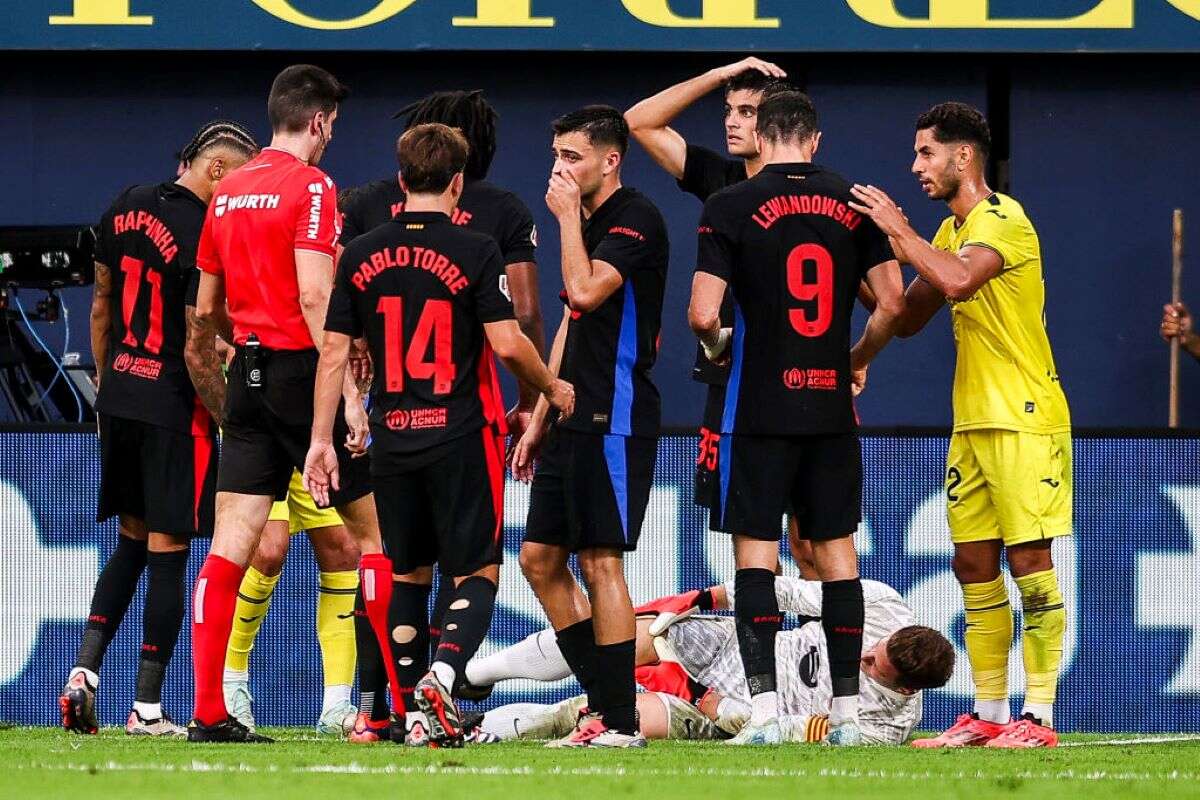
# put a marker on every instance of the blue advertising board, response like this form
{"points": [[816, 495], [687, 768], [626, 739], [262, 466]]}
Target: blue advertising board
{"points": [[1130, 575], [649, 25]]}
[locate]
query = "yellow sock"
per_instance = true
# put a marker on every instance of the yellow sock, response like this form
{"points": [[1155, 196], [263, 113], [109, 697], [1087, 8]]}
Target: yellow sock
{"points": [[335, 626], [988, 637], [1045, 621], [254, 598]]}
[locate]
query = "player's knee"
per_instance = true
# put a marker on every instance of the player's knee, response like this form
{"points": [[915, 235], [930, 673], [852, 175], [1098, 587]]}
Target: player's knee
{"points": [[1026, 559], [536, 566], [599, 566], [972, 570]]}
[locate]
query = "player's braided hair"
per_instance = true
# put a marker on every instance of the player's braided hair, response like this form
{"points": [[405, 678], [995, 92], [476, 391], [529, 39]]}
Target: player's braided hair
{"points": [[219, 132], [467, 111]]}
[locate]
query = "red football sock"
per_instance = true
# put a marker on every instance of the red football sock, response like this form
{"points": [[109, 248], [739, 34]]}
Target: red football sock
{"points": [[375, 577], [213, 602]]}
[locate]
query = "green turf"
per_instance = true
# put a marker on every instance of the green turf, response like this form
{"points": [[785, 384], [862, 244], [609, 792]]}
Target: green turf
{"points": [[41, 762]]}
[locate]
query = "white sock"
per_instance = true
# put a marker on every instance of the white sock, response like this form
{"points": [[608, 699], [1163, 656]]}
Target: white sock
{"points": [[844, 709], [1043, 711], [336, 695], [517, 719], [444, 672], [763, 708], [148, 711], [536, 656], [93, 680], [993, 710], [236, 675]]}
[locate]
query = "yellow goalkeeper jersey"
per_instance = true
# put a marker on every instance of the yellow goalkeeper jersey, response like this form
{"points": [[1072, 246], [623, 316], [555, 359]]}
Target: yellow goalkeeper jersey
{"points": [[1005, 376]]}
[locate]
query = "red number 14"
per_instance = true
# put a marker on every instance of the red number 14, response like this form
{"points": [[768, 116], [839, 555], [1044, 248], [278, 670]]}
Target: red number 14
{"points": [[436, 323]]}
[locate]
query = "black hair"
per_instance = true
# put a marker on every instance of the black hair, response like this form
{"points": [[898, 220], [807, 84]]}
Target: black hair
{"points": [[299, 92], [958, 122], [601, 124], [786, 116], [219, 132], [754, 81], [470, 113]]}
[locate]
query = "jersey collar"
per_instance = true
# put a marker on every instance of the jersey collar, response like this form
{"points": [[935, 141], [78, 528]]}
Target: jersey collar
{"points": [[421, 216], [614, 201], [799, 167], [173, 188]]}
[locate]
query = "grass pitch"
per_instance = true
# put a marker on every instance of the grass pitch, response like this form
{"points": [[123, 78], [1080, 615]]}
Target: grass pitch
{"points": [[44, 762]]}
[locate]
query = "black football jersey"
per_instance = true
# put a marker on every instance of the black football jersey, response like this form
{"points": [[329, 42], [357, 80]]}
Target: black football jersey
{"points": [[420, 289], [483, 207], [609, 351], [148, 241], [793, 253], [705, 173]]}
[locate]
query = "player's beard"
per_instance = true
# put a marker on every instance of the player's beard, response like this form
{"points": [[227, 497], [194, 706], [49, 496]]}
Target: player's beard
{"points": [[948, 186]]}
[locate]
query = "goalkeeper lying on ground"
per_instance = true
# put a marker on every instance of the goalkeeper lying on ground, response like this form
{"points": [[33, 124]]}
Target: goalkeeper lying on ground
{"points": [[689, 665]]}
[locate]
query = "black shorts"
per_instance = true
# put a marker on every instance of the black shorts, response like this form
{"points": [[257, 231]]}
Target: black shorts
{"points": [[163, 477], [444, 506], [266, 431], [819, 477], [707, 484], [591, 490]]}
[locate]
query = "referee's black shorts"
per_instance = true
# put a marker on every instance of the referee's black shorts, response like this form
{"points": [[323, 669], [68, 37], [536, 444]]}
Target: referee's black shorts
{"points": [[267, 430]]}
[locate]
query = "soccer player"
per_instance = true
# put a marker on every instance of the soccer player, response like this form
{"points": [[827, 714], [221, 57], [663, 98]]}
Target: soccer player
{"points": [[702, 172], [158, 456], [427, 295], [337, 558], [793, 254], [1008, 471], [266, 253], [593, 479], [690, 665], [486, 208]]}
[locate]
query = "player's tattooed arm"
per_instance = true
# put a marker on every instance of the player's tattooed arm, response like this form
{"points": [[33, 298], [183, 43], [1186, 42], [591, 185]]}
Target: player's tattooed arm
{"points": [[204, 363], [101, 318]]}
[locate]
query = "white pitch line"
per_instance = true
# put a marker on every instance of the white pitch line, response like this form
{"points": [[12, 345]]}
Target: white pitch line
{"points": [[196, 766], [1165, 739]]}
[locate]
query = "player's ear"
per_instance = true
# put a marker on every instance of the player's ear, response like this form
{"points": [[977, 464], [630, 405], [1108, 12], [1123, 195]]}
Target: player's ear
{"points": [[965, 155], [816, 142], [403, 185], [456, 185], [216, 169], [612, 162]]}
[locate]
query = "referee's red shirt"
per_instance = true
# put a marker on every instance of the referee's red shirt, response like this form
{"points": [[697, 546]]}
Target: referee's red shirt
{"points": [[262, 213]]}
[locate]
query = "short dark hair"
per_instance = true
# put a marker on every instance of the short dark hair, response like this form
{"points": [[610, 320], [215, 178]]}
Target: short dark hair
{"points": [[430, 156], [601, 124], [467, 111], [787, 115], [923, 657], [299, 92], [219, 133], [958, 122], [754, 81]]}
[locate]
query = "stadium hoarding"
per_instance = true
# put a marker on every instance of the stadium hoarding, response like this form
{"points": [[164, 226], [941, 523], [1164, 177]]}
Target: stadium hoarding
{"points": [[1131, 576], [645, 25]]}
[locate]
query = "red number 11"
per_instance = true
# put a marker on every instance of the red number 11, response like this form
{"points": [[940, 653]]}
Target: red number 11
{"points": [[132, 267]]}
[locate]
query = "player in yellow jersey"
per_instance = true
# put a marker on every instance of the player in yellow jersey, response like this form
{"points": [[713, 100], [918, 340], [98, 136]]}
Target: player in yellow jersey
{"points": [[337, 558], [1008, 472]]}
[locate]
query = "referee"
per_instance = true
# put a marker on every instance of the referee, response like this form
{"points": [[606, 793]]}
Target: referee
{"points": [[266, 254]]}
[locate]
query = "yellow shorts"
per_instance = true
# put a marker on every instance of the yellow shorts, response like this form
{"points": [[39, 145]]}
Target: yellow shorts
{"points": [[299, 510], [1008, 485]]}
